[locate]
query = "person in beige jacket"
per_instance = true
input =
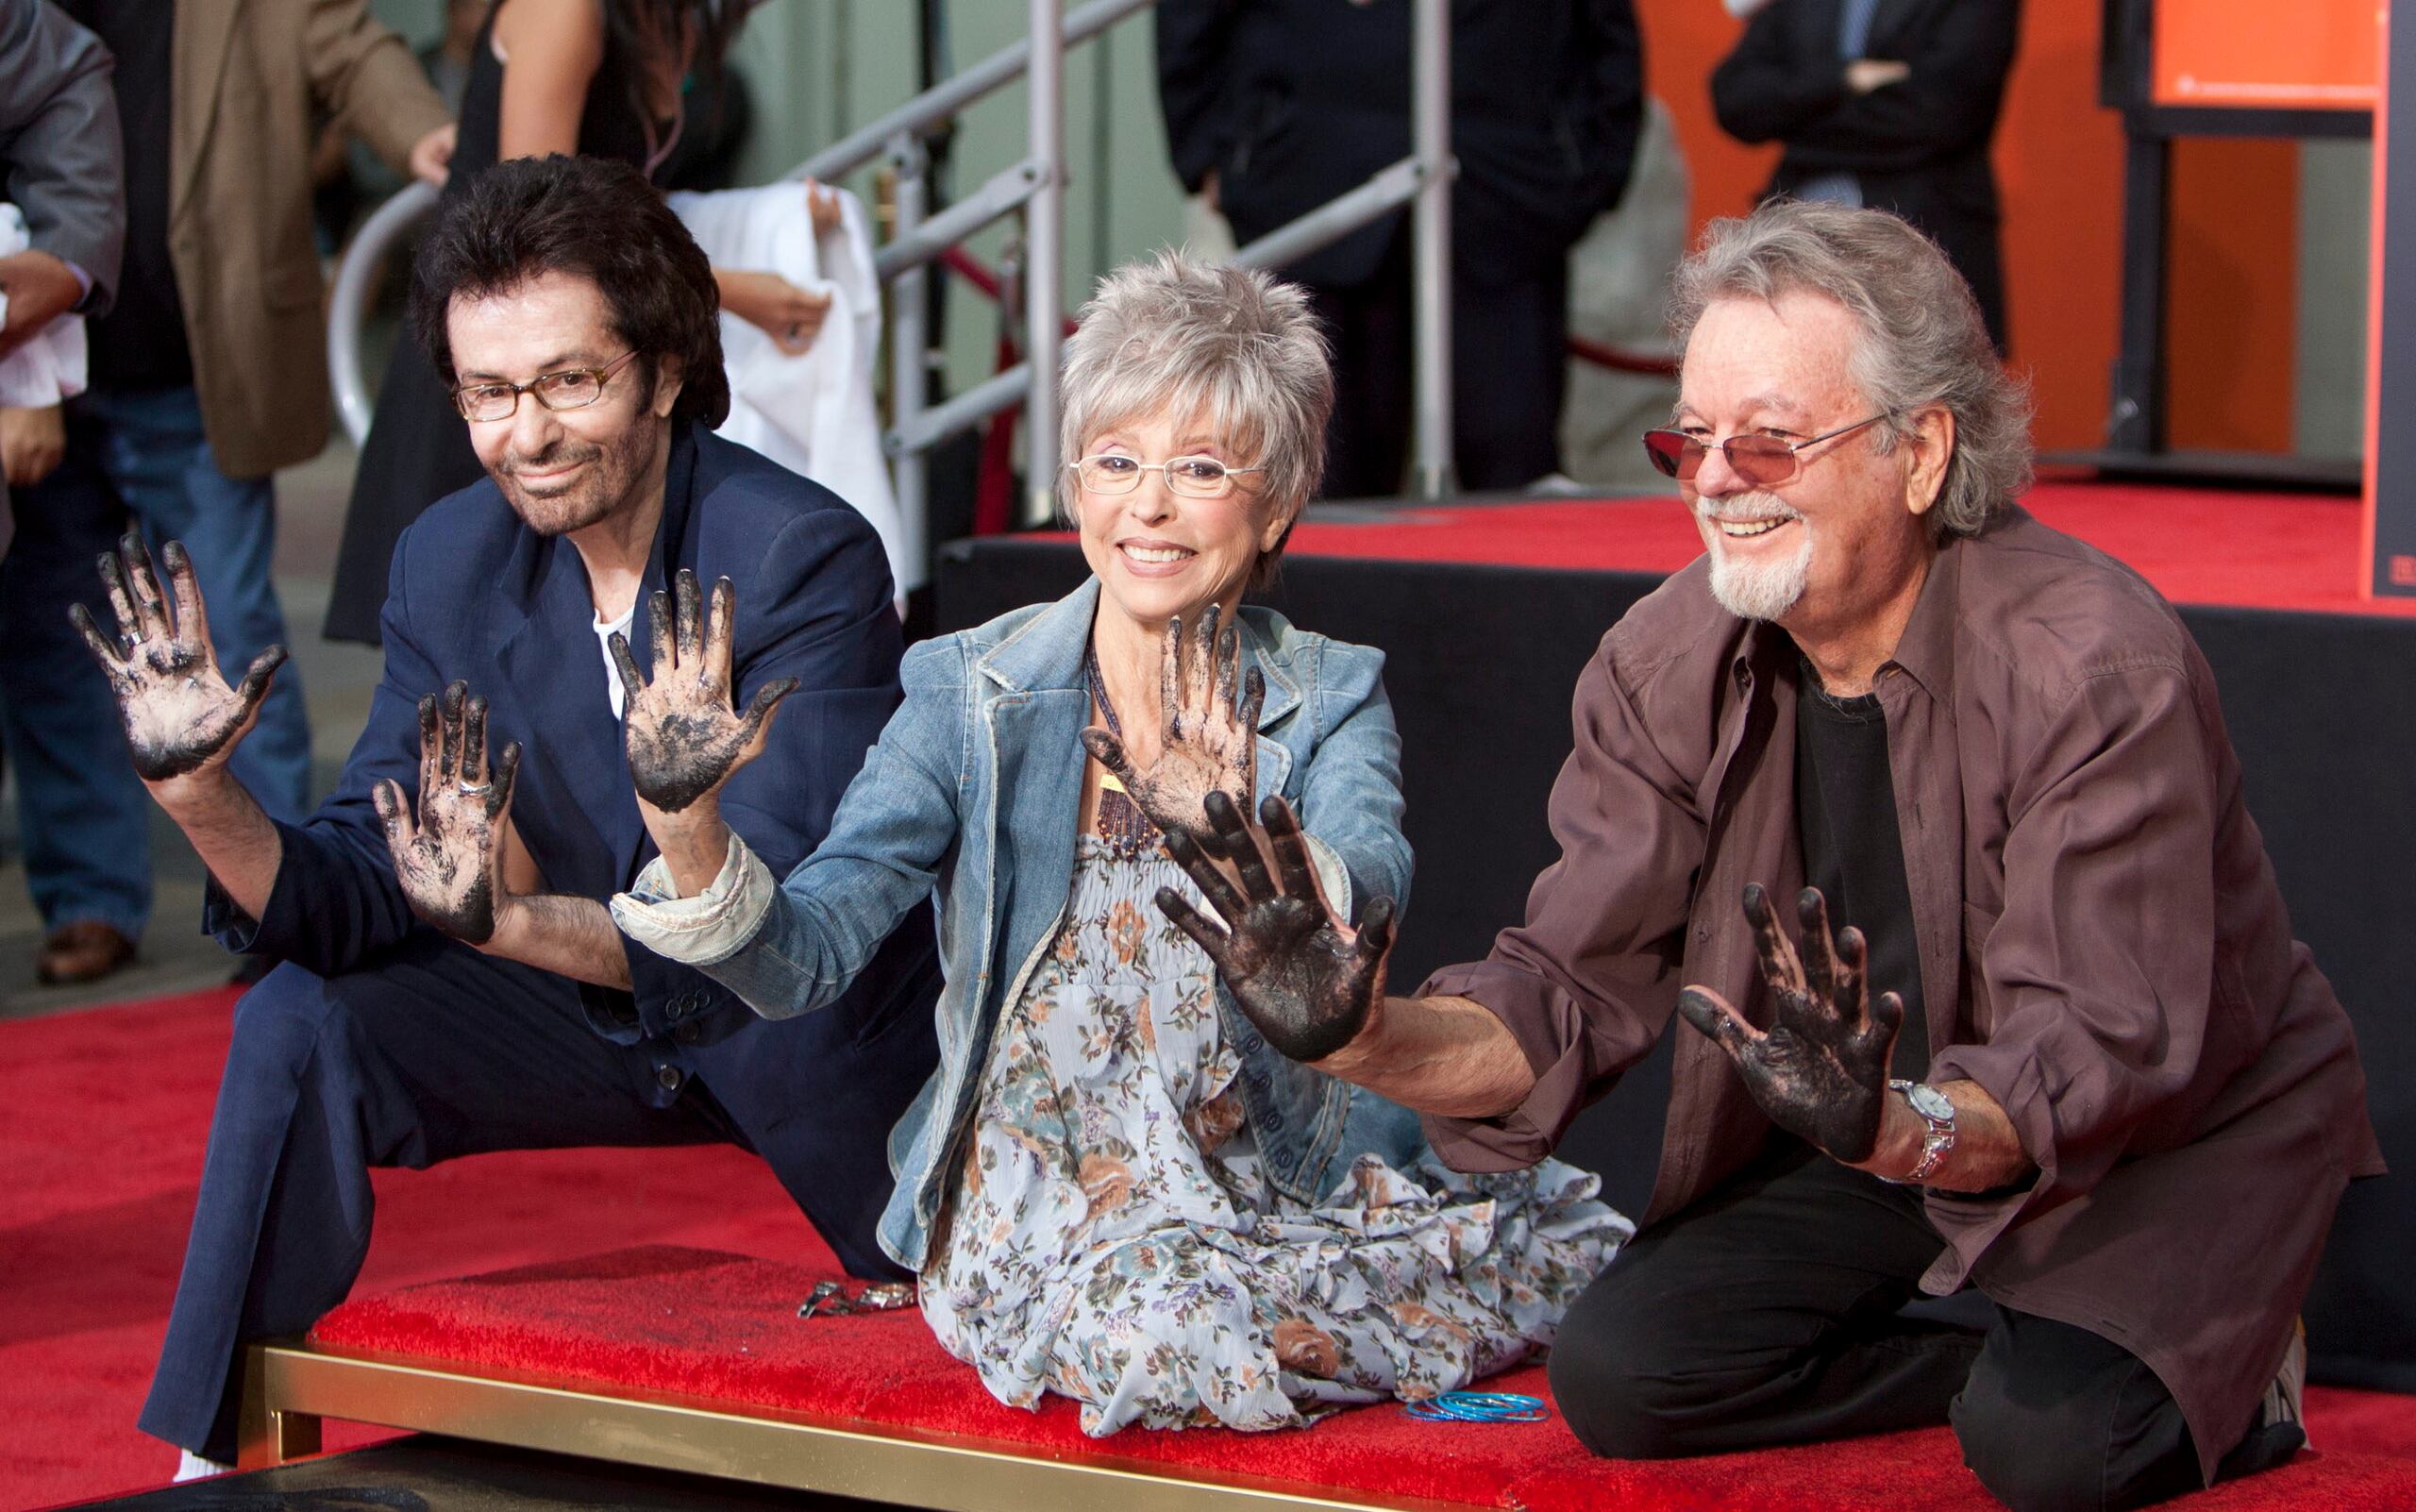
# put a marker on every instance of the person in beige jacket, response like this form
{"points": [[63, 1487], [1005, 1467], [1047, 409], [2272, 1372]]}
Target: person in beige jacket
{"points": [[207, 376]]}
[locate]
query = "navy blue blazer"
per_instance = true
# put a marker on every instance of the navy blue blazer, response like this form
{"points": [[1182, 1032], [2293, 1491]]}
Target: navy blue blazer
{"points": [[474, 595]]}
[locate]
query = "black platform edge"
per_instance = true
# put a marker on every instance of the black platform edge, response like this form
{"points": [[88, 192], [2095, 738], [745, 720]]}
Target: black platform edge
{"points": [[2243, 470]]}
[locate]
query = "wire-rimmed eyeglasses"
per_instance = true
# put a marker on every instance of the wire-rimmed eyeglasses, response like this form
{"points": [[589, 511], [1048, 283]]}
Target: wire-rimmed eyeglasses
{"points": [[1191, 476], [1763, 462], [569, 388]]}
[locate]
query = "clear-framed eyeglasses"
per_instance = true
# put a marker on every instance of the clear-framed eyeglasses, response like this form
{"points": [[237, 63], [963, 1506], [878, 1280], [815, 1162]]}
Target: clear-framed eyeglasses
{"points": [[570, 388], [1191, 476]]}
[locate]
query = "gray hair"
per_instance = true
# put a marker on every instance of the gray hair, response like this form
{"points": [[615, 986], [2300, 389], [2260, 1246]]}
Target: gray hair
{"points": [[1235, 347], [1922, 342]]}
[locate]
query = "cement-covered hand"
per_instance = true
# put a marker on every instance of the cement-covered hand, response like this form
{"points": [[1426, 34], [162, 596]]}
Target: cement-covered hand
{"points": [[1208, 731], [1303, 976], [684, 738], [449, 855], [1820, 1070], [180, 713]]}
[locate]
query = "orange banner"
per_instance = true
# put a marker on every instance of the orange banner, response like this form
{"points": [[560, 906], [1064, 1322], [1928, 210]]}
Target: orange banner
{"points": [[2268, 55]]}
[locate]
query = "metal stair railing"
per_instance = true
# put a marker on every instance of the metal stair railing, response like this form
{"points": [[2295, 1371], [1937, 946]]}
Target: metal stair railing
{"points": [[1035, 188]]}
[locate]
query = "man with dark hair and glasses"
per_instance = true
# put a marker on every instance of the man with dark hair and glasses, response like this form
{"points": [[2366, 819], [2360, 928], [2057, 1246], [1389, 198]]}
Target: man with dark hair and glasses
{"points": [[2010, 1001], [451, 981]]}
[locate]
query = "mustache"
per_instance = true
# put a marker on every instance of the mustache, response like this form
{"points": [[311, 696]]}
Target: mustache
{"points": [[1750, 509], [563, 453]]}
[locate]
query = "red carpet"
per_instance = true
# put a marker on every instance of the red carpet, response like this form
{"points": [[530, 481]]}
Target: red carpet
{"points": [[667, 1320], [101, 1138], [2254, 551], [101, 1133]]}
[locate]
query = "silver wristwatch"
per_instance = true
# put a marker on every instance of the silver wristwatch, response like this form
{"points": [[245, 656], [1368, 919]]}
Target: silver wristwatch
{"points": [[1935, 1110]]}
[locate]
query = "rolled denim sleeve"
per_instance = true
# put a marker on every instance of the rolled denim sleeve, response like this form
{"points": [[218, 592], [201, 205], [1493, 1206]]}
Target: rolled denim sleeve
{"points": [[706, 928]]}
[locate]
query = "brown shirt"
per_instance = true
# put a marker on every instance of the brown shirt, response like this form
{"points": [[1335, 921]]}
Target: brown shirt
{"points": [[2103, 947]]}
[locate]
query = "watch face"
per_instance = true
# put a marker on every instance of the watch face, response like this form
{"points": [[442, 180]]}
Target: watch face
{"points": [[1930, 1102]]}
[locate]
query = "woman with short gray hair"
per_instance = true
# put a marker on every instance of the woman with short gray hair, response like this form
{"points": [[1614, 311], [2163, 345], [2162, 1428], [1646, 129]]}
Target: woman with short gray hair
{"points": [[1234, 346], [1116, 1187]]}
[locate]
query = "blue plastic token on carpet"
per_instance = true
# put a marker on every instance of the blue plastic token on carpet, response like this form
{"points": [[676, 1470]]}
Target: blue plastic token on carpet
{"points": [[1477, 1407]]}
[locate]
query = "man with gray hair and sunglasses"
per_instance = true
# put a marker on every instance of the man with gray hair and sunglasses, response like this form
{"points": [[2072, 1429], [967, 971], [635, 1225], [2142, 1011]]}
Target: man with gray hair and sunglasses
{"points": [[2042, 1030]]}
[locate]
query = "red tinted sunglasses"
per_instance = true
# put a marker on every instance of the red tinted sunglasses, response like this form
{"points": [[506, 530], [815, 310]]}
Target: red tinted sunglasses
{"points": [[1764, 462]]}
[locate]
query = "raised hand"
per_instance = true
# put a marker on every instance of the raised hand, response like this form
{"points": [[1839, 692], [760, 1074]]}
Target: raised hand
{"points": [[1208, 722], [1305, 978], [1820, 1071], [684, 740], [180, 713], [449, 857]]}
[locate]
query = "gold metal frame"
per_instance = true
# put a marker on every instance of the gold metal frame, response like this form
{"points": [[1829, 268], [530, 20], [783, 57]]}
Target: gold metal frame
{"points": [[288, 1388]]}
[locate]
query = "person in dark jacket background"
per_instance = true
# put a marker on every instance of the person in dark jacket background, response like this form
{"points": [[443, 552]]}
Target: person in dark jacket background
{"points": [[1274, 106], [1890, 104]]}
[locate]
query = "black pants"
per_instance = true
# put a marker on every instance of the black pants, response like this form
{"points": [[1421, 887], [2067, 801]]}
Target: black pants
{"points": [[1509, 369], [435, 1052], [1768, 1313]]}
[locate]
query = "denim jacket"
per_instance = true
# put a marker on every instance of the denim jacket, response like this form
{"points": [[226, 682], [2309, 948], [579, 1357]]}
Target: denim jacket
{"points": [[974, 791]]}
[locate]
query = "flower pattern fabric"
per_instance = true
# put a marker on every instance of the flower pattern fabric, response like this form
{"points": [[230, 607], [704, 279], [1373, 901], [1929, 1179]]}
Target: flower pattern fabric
{"points": [[1112, 1237]]}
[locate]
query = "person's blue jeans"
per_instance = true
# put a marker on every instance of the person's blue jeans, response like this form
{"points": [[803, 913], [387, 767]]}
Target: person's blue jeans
{"points": [[83, 816], [151, 449]]}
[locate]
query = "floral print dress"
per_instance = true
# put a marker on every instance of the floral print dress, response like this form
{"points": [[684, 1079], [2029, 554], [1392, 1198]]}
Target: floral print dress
{"points": [[1112, 1237]]}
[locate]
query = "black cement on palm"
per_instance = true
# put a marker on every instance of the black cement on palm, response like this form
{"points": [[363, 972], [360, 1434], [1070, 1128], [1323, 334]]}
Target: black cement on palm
{"points": [[1820, 1071], [1208, 731], [448, 857], [1306, 979], [175, 704], [684, 738]]}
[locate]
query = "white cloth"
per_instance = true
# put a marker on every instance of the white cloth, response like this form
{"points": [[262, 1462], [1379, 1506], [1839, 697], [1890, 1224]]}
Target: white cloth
{"points": [[604, 634], [813, 415], [50, 366]]}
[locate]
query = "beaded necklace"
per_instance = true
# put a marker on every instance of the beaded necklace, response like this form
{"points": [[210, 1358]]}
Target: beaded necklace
{"points": [[1121, 823]]}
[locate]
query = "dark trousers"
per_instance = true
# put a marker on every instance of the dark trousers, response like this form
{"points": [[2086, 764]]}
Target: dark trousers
{"points": [[1509, 369], [440, 1051], [1768, 1313]]}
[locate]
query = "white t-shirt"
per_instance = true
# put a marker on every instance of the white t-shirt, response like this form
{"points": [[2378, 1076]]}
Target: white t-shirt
{"points": [[604, 634]]}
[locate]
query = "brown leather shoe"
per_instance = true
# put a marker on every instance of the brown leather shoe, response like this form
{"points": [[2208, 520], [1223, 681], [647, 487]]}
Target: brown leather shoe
{"points": [[86, 951]]}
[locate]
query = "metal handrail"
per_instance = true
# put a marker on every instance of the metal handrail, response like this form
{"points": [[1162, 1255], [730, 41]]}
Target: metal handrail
{"points": [[925, 111], [1644, 361], [349, 303], [1005, 194], [1421, 180], [1385, 190]]}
